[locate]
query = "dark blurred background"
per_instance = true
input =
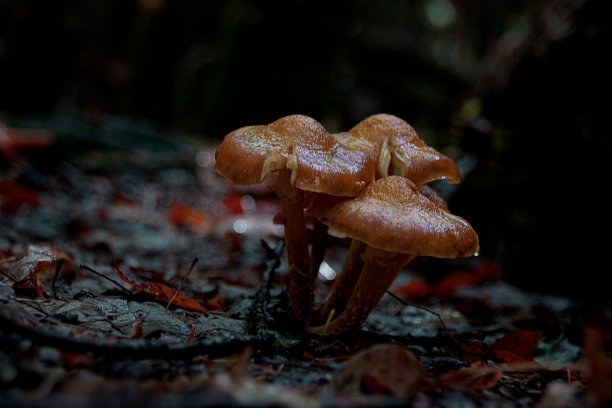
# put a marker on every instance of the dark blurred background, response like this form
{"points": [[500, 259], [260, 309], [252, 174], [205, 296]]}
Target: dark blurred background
{"points": [[518, 91]]}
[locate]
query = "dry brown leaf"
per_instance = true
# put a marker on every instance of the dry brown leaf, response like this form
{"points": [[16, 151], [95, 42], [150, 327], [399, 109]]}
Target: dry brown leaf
{"points": [[517, 346], [475, 377], [164, 293], [381, 369]]}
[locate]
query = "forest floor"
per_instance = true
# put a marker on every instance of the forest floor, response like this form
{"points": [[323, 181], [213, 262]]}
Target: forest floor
{"points": [[103, 221]]}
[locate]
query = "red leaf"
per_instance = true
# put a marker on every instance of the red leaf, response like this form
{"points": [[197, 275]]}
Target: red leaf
{"points": [[474, 347], [31, 284], [233, 204], [164, 293], [517, 346], [216, 303], [12, 140], [191, 334], [13, 195], [416, 288], [75, 360], [373, 386], [137, 331], [181, 214], [479, 272], [39, 266], [476, 377], [451, 282], [509, 357]]}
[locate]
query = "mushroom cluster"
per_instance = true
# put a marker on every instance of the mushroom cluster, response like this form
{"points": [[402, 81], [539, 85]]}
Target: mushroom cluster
{"points": [[347, 182]]}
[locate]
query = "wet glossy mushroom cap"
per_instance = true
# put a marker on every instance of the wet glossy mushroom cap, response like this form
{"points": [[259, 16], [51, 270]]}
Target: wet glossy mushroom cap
{"points": [[247, 155], [317, 161], [392, 214], [398, 144]]}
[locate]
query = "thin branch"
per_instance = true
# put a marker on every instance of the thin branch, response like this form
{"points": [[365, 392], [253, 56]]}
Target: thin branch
{"points": [[256, 317], [120, 349], [57, 271], [402, 301], [195, 261], [87, 268]]}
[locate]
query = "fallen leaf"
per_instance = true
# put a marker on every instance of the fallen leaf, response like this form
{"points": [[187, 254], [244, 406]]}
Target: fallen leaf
{"points": [[216, 303], [13, 140], [233, 203], [185, 215], [137, 331], [13, 195], [374, 386], [164, 293], [474, 348], [383, 368], [39, 266], [452, 281], [477, 273], [517, 346], [475, 377], [416, 288], [75, 360]]}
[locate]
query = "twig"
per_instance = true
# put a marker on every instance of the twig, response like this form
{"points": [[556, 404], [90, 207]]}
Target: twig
{"points": [[394, 296], [57, 271], [87, 268], [256, 317], [33, 306], [119, 349], [195, 261]]}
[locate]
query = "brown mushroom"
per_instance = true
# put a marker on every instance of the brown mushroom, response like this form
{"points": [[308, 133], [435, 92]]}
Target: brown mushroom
{"points": [[394, 221], [396, 145], [307, 159]]}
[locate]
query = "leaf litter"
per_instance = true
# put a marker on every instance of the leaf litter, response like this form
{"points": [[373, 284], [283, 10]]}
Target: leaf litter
{"points": [[77, 328]]}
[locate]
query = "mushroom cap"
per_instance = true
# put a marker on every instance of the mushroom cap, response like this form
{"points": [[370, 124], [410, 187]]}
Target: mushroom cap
{"points": [[247, 155], [317, 160], [392, 214], [399, 144]]}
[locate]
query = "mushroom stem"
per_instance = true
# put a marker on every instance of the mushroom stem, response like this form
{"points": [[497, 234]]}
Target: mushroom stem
{"points": [[345, 284], [318, 247], [380, 268], [296, 242]]}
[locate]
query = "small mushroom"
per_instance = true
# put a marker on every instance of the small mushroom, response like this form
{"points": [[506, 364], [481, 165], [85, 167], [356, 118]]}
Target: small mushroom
{"points": [[396, 145], [307, 159], [391, 221]]}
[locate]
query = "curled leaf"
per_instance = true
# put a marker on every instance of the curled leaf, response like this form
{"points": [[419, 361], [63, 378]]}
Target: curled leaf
{"points": [[39, 266], [164, 293]]}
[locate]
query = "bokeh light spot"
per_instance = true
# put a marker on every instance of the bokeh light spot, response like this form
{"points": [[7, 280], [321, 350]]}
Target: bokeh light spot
{"points": [[241, 226], [440, 13]]}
